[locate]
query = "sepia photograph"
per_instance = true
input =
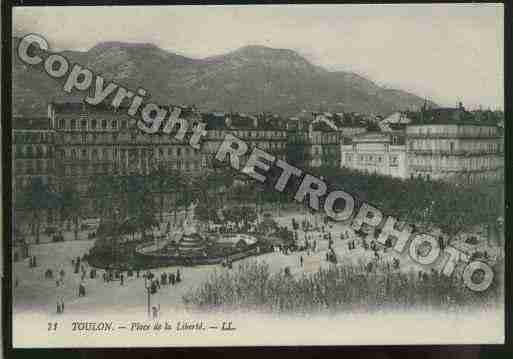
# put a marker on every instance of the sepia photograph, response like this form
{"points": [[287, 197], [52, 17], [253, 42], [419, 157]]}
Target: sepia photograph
{"points": [[257, 175]]}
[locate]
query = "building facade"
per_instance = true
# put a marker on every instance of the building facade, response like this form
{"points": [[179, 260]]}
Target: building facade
{"points": [[33, 149], [464, 153], [376, 152], [315, 142], [78, 143], [92, 141], [448, 144], [33, 176]]}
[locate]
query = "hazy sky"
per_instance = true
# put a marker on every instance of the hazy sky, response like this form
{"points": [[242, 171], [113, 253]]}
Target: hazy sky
{"points": [[448, 52]]}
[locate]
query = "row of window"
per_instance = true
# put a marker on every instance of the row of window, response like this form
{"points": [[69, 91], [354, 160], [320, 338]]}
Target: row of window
{"points": [[21, 137], [377, 159], [177, 151], [454, 162], [220, 134], [386, 147], [450, 146], [108, 153], [87, 169], [23, 183], [88, 124], [33, 167], [31, 151], [102, 124], [454, 131]]}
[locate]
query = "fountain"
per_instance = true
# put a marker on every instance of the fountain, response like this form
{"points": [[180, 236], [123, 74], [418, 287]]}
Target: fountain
{"points": [[191, 241], [189, 246]]}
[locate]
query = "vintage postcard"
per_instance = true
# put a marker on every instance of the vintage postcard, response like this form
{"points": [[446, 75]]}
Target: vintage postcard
{"points": [[257, 175]]}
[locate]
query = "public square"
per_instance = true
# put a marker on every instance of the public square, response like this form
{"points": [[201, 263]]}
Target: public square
{"points": [[34, 292]]}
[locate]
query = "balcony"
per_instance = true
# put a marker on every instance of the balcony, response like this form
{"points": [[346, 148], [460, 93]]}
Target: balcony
{"points": [[451, 135], [455, 152]]}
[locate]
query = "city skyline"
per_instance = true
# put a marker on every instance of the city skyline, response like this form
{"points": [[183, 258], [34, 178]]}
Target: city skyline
{"points": [[460, 58]]}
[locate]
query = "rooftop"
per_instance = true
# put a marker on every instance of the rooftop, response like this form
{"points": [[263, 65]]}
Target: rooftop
{"points": [[450, 116]]}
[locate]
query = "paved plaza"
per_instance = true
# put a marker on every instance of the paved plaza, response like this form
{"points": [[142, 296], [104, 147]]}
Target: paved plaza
{"points": [[34, 292]]}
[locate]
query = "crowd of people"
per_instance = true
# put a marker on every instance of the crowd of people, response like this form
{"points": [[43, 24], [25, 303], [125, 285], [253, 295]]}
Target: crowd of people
{"points": [[80, 267], [315, 232]]}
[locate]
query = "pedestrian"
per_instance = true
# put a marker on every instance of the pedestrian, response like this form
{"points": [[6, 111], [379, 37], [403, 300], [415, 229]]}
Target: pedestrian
{"points": [[59, 310], [301, 261], [62, 306], [121, 278], [155, 311], [172, 279], [81, 290], [395, 263], [178, 278]]}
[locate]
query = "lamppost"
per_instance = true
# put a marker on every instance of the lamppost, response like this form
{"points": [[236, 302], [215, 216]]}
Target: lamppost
{"points": [[114, 234], [147, 285]]}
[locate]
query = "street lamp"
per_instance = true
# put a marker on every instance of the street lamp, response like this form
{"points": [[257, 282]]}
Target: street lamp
{"points": [[147, 285]]}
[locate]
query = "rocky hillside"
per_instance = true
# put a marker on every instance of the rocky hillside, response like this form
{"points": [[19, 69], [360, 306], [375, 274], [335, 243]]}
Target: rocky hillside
{"points": [[250, 79]]}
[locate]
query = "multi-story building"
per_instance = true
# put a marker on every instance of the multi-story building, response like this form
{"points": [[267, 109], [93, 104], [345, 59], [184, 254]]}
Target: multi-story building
{"points": [[33, 174], [267, 132], [78, 143], [376, 152], [315, 142], [90, 141], [33, 152], [449, 146], [95, 140]]}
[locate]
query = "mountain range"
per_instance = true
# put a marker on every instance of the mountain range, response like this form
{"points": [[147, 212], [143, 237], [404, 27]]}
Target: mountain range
{"points": [[250, 79]]}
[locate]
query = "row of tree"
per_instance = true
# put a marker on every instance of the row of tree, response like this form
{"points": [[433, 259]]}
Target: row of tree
{"points": [[452, 207]]}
